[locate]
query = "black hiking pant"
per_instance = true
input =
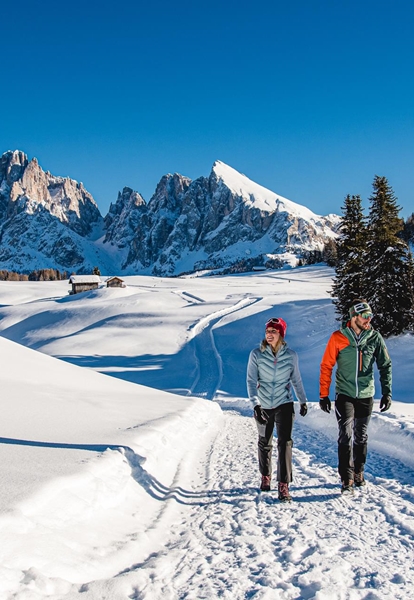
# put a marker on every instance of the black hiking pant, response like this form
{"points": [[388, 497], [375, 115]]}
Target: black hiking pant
{"points": [[353, 416], [282, 417]]}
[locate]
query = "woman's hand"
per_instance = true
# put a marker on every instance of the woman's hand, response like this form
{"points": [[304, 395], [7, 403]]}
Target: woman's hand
{"points": [[260, 415]]}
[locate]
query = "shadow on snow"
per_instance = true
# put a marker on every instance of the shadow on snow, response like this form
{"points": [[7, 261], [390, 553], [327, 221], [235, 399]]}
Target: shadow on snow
{"points": [[154, 488]]}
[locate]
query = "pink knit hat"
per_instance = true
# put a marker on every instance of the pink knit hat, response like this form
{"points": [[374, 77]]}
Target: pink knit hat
{"points": [[278, 324]]}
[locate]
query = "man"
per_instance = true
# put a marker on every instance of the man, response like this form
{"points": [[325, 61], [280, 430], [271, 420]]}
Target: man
{"points": [[354, 348]]}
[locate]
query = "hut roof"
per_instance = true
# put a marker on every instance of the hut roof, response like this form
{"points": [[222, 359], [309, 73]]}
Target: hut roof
{"points": [[84, 279]]}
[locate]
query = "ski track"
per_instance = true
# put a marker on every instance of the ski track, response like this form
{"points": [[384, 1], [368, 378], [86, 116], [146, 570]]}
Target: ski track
{"points": [[231, 541], [208, 359], [190, 298]]}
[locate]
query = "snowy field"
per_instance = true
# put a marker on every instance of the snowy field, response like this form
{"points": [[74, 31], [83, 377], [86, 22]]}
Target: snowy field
{"points": [[128, 467]]}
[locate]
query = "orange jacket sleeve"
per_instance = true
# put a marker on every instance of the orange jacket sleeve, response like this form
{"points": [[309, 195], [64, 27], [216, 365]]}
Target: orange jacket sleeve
{"points": [[336, 343]]}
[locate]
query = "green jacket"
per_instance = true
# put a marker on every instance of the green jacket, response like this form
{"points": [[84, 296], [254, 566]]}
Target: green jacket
{"points": [[355, 360]]}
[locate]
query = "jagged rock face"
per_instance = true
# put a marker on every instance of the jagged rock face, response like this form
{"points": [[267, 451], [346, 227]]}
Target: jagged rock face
{"points": [[122, 220], [215, 222], [31, 241], [45, 221], [153, 223], [25, 188], [12, 166], [211, 217]]}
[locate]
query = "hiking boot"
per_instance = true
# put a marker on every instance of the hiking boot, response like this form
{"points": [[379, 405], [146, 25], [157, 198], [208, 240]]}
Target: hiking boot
{"points": [[284, 495], [347, 487], [359, 479], [265, 485]]}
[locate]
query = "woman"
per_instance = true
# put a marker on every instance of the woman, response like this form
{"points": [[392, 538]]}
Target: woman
{"points": [[272, 371]]}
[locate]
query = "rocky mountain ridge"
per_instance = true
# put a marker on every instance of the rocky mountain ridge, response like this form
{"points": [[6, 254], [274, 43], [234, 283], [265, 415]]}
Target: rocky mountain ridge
{"points": [[209, 223]]}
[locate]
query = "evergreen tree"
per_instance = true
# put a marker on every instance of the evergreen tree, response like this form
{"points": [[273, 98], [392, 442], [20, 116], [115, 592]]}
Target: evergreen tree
{"points": [[96, 271], [312, 257], [388, 263], [349, 280], [330, 253], [408, 230]]}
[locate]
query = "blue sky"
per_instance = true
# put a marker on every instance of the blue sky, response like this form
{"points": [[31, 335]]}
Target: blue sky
{"points": [[310, 98]]}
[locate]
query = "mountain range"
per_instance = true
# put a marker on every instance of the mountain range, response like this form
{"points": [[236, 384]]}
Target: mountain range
{"points": [[224, 222]]}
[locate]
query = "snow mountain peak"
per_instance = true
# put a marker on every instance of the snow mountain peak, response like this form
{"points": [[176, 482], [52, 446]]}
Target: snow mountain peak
{"points": [[257, 195], [224, 221]]}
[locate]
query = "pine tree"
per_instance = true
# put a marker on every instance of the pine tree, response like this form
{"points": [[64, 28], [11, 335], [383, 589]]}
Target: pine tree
{"points": [[388, 264], [349, 282], [330, 253], [408, 231]]}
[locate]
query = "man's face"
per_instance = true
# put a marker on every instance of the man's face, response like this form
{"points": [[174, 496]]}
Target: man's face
{"points": [[362, 323]]}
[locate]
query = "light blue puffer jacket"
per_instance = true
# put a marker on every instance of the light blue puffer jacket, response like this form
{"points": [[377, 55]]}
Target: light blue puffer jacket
{"points": [[270, 378]]}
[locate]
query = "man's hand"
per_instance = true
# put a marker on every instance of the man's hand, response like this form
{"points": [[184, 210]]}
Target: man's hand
{"points": [[260, 415], [325, 404], [385, 403], [303, 409]]}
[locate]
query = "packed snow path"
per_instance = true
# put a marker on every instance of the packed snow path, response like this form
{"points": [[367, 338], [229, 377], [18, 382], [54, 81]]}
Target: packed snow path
{"points": [[176, 513], [228, 540], [208, 360]]}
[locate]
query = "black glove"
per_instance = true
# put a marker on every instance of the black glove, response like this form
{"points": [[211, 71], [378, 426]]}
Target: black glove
{"points": [[260, 415], [385, 403], [303, 409], [325, 404]]}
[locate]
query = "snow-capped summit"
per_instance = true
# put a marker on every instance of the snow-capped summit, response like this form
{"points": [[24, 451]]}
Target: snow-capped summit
{"points": [[222, 221], [257, 195], [225, 221]]}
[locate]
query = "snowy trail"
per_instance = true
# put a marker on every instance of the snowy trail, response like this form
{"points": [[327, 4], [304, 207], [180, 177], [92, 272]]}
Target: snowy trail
{"points": [[231, 541], [171, 510], [208, 360]]}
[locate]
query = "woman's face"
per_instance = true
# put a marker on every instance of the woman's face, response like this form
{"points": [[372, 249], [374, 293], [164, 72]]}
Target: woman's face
{"points": [[272, 336]]}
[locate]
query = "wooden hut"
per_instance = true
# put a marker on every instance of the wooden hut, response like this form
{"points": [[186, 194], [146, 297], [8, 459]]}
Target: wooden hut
{"points": [[84, 283], [115, 282]]}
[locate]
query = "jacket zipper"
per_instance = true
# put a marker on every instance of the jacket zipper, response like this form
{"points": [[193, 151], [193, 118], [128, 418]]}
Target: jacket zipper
{"points": [[358, 365], [356, 373], [274, 377], [357, 361]]}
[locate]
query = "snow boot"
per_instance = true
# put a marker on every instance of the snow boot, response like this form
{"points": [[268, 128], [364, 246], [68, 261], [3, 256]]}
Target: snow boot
{"points": [[284, 495], [359, 479], [347, 488], [265, 485]]}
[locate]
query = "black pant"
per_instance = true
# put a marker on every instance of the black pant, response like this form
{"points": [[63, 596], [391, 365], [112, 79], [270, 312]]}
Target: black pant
{"points": [[283, 417], [353, 416]]}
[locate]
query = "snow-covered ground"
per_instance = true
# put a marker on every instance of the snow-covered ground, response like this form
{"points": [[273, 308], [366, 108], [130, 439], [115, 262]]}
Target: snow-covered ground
{"points": [[128, 468]]}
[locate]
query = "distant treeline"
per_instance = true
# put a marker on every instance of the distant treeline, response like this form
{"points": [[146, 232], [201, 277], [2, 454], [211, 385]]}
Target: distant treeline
{"points": [[38, 275]]}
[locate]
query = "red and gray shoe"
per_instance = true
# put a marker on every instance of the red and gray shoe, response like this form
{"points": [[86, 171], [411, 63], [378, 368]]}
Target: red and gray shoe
{"points": [[347, 488], [284, 495], [359, 480], [265, 485]]}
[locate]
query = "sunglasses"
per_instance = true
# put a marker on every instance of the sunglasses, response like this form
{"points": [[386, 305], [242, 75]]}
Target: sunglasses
{"points": [[273, 321], [361, 309]]}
